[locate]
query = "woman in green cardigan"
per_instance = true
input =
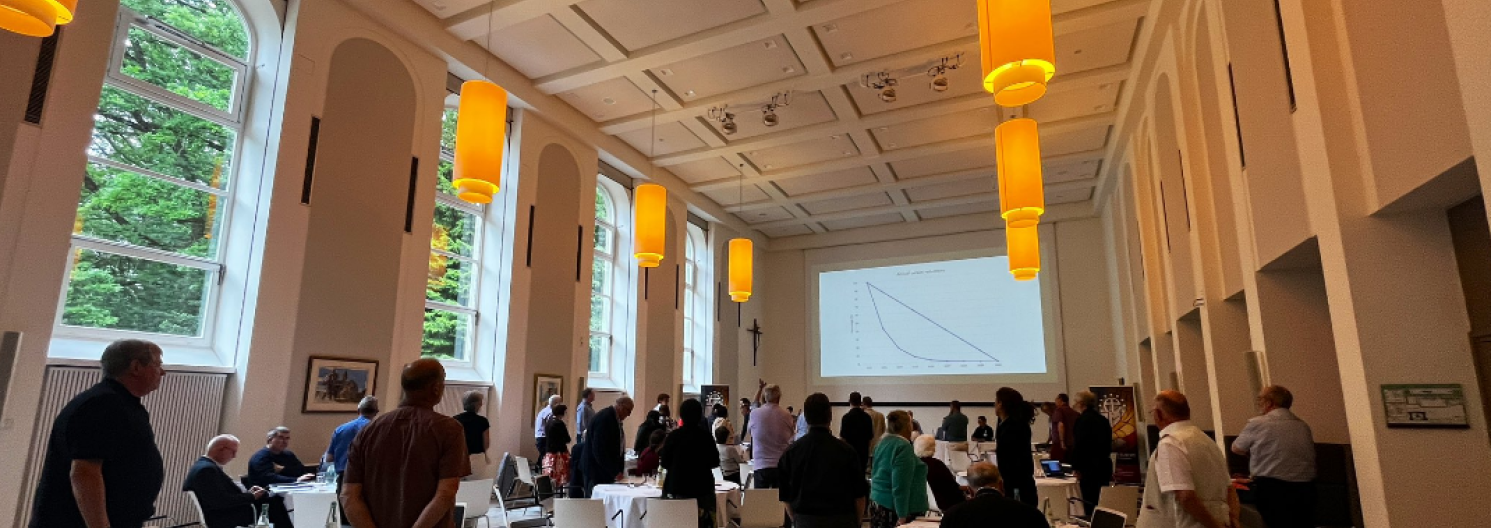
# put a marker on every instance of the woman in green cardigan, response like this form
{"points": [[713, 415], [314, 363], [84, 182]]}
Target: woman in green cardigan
{"points": [[898, 480]]}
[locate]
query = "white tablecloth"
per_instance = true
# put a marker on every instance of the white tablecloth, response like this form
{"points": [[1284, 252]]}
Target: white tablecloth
{"points": [[1057, 491], [632, 501], [308, 503]]}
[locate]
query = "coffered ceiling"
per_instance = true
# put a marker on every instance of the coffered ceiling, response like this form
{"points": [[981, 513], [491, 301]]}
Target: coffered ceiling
{"points": [[840, 157]]}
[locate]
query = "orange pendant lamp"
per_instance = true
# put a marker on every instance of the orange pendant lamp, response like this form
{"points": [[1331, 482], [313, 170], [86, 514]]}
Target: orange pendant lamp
{"points": [[742, 268], [1022, 194], [32, 18], [651, 224], [65, 10], [481, 131], [1023, 246], [1017, 49]]}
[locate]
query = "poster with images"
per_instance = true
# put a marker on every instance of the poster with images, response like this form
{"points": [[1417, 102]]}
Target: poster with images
{"points": [[1119, 406], [710, 395], [337, 385], [1425, 405]]}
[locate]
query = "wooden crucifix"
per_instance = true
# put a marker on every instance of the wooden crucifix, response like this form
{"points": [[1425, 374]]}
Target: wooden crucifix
{"points": [[755, 331]]}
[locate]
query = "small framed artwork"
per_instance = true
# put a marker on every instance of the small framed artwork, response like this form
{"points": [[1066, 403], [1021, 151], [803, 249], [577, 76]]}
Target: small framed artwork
{"points": [[544, 386], [337, 385], [1425, 405]]}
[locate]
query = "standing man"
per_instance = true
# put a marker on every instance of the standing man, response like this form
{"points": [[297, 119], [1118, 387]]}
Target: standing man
{"points": [[955, 424], [989, 503], [745, 419], [224, 504], [341, 438], [276, 463], [405, 466], [1063, 429], [543, 418], [584, 413], [877, 423], [1091, 455], [771, 430], [605, 445], [102, 468], [1281, 457], [857, 430], [1188, 485], [822, 477]]}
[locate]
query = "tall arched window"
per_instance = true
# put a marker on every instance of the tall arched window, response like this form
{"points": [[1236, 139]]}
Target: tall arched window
{"points": [[147, 242], [610, 301], [455, 266], [698, 349]]}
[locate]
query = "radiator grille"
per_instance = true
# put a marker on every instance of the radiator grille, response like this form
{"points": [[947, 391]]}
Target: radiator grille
{"points": [[185, 413]]}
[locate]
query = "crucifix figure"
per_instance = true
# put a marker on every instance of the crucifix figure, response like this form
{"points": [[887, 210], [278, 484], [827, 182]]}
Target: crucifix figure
{"points": [[755, 331]]}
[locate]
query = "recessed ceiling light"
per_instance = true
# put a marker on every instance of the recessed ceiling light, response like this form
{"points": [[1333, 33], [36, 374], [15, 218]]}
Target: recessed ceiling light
{"points": [[439, 6], [1077, 51], [848, 153], [689, 93], [770, 44], [766, 166], [753, 153], [1099, 107], [789, 69], [1105, 86], [883, 129], [830, 28], [608, 101], [969, 26], [598, 116], [846, 56], [665, 72], [891, 145], [834, 137]]}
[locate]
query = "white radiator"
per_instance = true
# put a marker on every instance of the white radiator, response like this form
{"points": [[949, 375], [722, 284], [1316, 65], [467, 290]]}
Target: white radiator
{"points": [[186, 412]]}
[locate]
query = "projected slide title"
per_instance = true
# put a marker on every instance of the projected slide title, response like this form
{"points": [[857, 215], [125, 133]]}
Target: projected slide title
{"points": [[954, 317]]}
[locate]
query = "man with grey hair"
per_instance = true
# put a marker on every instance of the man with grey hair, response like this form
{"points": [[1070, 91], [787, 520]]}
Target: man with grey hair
{"points": [[989, 503], [102, 467], [584, 413], [1187, 485], [605, 446], [543, 418], [276, 463], [1281, 457], [1092, 449], [225, 504], [771, 430]]}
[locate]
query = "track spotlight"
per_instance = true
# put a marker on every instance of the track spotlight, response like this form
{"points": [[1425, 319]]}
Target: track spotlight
{"points": [[725, 118], [769, 111], [769, 116], [881, 81], [888, 94], [939, 84], [729, 125], [938, 71]]}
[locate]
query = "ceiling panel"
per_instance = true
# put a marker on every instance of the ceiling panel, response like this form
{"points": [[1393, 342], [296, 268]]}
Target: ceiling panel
{"points": [[1072, 142], [803, 153], [895, 28], [705, 170], [785, 231], [936, 130], [737, 195], [1080, 170], [1095, 48], [951, 189], [637, 24], [730, 69], [956, 210], [1062, 6], [539, 47], [914, 87], [671, 137], [863, 221], [941, 163], [806, 109], [827, 181], [756, 216], [1068, 104], [847, 204], [449, 8], [609, 99], [1076, 195]]}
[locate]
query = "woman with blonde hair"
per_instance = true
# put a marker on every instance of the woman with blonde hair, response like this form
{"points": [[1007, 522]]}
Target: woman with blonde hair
{"points": [[898, 479]]}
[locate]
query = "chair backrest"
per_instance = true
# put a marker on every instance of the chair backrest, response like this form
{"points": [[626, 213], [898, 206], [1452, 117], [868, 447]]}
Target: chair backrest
{"points": [[197, 507], [477, 496], [507, 476], [760, 508], [719, 475], [543, 488], [932, 500], [579, 513], [1106, 518], [958, 461], [525, 471], [1121, 499], [671, 513]]}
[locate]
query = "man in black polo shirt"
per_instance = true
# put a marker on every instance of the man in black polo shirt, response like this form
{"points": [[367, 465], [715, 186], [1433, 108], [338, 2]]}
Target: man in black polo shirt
{"points": [[102, 469], [822, 477]]}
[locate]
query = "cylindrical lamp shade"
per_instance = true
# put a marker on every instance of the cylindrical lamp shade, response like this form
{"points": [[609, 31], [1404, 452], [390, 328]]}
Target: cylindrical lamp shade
{"points": [[651, 224], [481, 132], [1022, 193], [1023, 246], [742, 261], [32, 18], [1017, 49], [65, 9]]}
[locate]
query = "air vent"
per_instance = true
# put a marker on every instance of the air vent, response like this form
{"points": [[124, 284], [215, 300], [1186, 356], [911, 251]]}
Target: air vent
{"points": [[42, 79]]}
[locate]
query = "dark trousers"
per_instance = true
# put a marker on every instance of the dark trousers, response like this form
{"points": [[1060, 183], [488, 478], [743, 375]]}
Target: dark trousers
{"points": [[1092, 489], [1025, 490], [1285, 504], [733, 477], [543, 446], [826, 521], [278, 515], [767, 478]]}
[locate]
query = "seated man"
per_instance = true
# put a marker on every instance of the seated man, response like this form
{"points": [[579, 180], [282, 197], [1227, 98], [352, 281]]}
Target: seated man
{"points": [[276, 464], [989, 502], [225, 504]]}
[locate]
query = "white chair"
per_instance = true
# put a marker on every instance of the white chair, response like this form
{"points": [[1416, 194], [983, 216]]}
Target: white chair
{"points": [[747, 474], [761, 509], [476, 495], [932, 500], [958, 461], [719, 475], [671, 513], [1121, 499], [197, 507], [502, 508], [579, 513]]}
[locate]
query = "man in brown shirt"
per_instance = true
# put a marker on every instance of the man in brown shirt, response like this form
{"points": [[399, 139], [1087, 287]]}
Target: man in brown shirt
{"points": [[404, 467]]}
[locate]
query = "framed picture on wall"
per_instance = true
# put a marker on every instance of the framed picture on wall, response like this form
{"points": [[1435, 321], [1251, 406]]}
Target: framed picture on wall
{"points": [[544, 386], [337, 385]]}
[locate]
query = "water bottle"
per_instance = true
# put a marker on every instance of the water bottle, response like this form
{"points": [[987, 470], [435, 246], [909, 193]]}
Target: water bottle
{"points": [[331, 476], [263, 521]]}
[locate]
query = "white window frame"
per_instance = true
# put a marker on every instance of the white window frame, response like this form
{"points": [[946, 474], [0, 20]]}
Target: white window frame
{"points": [[71, 339], [618, 333], [698, 350], [472, 263]]}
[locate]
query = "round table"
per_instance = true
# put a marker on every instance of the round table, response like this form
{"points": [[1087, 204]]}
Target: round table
{"points": [[1056, 491], [308, 502], [632, 502]]}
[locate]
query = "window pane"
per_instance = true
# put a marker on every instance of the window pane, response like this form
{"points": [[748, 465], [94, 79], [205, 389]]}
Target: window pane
{"points": [[126, 207], [603, 238], [446, 170], [600, 275], [136, 131], [688, 273], [451, 280], [447, 335], [600, 313], [163, 63], [125, 293], [600, 345], [455, 231], [688, 365], [602, 206], [688, 333], [215, 22]]}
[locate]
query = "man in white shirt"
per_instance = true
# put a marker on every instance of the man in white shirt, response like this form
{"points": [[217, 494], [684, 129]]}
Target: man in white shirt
{"points": [[543, 418], [1188, 485], [1281, 457]]}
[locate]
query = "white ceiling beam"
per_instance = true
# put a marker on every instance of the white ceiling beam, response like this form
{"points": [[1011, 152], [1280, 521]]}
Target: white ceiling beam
{"points": [[473, 23], [709, 41], [914, 206], [971, 223], [971, 142], [590, 33], [773, 195]]}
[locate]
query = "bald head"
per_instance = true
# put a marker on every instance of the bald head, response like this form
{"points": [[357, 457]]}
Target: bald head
{"points": [[1275, 397], [984, 475], [423, 382], [223, 448], [1171, 407]]}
